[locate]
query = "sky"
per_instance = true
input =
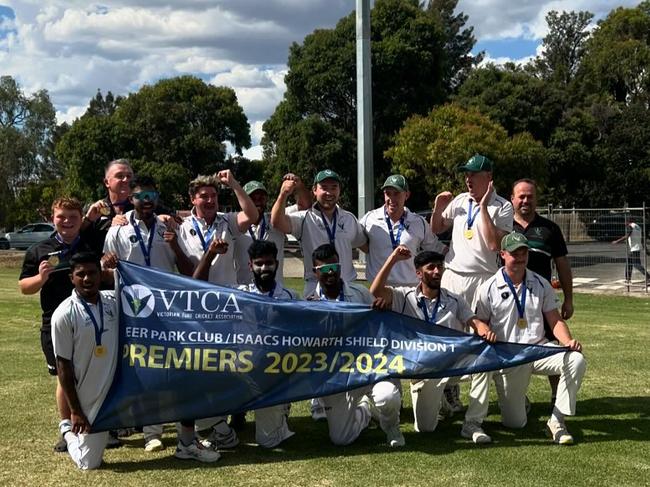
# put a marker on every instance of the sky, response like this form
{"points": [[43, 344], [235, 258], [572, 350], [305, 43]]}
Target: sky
{"points": [[73, 48]]}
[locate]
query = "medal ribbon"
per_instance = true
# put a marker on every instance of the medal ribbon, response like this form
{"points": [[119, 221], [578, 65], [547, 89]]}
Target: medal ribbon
{"points": [[331, 231], [272, 291], [67, 249], [209, 234], [472, 216], [521, 304], [394, 240], [423, 306], [99, 329], [325, 298], [146, 251], [262, 228]]}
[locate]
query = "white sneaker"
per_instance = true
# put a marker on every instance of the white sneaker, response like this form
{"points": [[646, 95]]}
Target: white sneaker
{"points": [[394, 437], [154, 444], [474, 432], [195, 451], [217, 439], [318, 413], [559, 433]]}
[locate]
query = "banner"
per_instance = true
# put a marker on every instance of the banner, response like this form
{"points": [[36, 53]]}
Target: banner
{"points": [[190, 349]]}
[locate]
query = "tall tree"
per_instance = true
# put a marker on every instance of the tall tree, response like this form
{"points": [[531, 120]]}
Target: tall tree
{"points": [[315, 125], [26, 126], [563, 46]]}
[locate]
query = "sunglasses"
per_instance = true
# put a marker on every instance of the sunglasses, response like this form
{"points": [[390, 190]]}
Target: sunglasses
{"points": [[326, 268], [145, 195]]}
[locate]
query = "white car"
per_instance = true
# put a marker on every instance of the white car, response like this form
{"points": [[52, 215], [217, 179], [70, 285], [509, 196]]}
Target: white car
{"points": [[29, 235]]}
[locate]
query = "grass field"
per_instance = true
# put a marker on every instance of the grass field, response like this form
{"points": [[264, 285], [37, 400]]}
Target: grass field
{"points": [[612, 428]]}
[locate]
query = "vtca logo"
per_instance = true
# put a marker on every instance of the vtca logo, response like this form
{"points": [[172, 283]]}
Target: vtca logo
{"points": [[137, 301]]}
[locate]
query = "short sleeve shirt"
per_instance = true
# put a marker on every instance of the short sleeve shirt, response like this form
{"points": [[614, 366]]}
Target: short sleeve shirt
{"points": [[546, 243], [278, 293], [262, 231], [224, 226], [73, 336], [496, 305], [308, 227], [453, 311], [469, 256], [416, 234], [123, 241], [352, 293], [58, 286]]}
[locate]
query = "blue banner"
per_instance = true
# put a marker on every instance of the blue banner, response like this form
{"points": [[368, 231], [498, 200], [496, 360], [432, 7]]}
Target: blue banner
{"points": [[190, 349]]}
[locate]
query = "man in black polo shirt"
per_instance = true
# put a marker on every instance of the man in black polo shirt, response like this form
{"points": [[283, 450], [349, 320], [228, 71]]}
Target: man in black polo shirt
{"points": [[45, 270], [546, 244]]}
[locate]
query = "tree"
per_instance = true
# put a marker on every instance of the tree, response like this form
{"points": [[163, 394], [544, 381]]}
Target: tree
{"points": [[173, 130], [315, 125], [563, 46], [429, 149], [618, 55], [26, 127]]}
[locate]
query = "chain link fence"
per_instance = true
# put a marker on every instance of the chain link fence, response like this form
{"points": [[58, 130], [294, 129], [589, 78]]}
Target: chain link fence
{"points": [[608, 247]]}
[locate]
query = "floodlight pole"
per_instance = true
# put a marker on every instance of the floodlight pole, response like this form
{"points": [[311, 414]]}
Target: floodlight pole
{"points": [[365, 173]]}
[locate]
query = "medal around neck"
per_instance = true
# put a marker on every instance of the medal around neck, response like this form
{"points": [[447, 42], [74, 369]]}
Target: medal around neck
{"points": [[104, 211], [100, 351], [522, 323], [469, 234]]}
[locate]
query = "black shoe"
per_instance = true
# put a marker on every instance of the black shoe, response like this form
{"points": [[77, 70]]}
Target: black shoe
{"points": [[238, 421], [113, 442], [61, 446]]}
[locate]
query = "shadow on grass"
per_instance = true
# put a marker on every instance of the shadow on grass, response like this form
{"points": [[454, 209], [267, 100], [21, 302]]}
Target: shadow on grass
{"points": [[598, 420]]}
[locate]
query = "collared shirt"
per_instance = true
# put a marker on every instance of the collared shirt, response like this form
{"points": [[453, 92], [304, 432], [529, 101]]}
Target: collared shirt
{"points": [[352, 293], [58, 285], [123, 241], [416, 235], [222, 269], [279, 292], [546, 243], [635, 239], [73, 336], [473, 255], [497, 306], [307, 226], [453, 310], [244, 240]]}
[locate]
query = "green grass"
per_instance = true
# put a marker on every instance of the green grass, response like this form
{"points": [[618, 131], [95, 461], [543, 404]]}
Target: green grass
{"points": [[612, 428]]}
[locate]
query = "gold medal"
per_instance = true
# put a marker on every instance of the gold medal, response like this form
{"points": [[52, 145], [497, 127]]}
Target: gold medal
{"points": [[105, 211], [100, 351], [469, 233], [522, 323], [53, 260]]}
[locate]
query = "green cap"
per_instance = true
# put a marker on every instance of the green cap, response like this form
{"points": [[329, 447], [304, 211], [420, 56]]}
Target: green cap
{"points": [[514, 241], [251, 186], [326, 174], [396, 181], [476, 163]]}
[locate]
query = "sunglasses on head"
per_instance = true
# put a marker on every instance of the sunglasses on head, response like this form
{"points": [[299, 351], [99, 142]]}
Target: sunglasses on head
{"points": [[145, 195], [326, 268]]}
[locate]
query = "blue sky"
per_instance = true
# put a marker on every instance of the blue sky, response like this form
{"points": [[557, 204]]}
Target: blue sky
{"points": [[74, 47]]}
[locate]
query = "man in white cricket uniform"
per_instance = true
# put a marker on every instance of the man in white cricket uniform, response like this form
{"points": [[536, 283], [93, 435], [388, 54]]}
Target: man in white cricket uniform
{"points": [[324, 222], [260, 230], [348, 413], [480, 218], [515, 302], [391, 225], [207, 223], [147, 241], [85, 337], [271, 426], [428, 302]]}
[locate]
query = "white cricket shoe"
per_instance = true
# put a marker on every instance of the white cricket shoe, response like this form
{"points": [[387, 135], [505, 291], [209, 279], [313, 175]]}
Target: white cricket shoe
{"points": [[195, 451], [394, 437], [154, 444], [474, 432], [559, 433], [217, 439]]}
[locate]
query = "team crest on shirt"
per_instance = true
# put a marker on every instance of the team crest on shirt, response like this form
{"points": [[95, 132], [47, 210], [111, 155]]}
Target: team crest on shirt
{"points": [[133, 239], [137, 301], [192, 232], [505, 295]]}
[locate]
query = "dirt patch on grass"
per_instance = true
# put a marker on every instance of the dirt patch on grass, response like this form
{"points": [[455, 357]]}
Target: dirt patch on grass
{"points": [[11, 258]]}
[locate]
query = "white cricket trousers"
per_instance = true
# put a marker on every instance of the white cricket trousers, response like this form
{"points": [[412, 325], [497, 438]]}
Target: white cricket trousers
{"points": [[271, 426], [87, 450], [512, 385]]}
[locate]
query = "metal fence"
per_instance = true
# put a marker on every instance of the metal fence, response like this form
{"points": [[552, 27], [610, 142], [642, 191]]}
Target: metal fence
{"points": [[596, 260]]}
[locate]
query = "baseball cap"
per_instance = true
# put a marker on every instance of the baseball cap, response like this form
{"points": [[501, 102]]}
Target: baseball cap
{"points": [[476, 163], [326, 174], [514, 241], [251, 186], [396, 181]]}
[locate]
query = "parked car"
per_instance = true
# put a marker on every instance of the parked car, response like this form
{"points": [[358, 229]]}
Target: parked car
{"points": [[4, 243], [29, 235], [609, 227]]}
